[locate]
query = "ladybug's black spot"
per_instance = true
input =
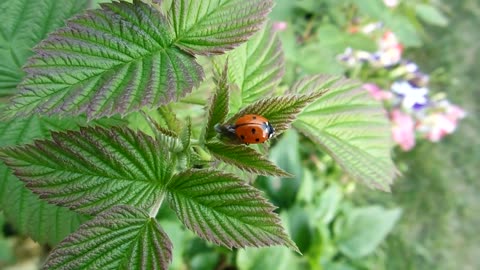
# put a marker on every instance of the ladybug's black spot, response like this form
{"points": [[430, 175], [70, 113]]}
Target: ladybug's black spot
{"points": [[254, 117], [253, 131], [243, 137], [257, 139]]}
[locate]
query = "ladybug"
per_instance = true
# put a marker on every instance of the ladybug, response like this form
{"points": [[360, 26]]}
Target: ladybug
{"points": [[252, 128]]}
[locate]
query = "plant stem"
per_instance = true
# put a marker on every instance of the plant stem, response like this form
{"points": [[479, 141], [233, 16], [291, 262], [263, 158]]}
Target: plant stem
{"points": [[151, 124], [156, 206], [204, 155], [308, 29]]}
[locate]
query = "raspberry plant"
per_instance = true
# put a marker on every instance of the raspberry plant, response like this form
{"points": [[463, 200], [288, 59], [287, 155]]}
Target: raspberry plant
{"points": [[95, 133]]}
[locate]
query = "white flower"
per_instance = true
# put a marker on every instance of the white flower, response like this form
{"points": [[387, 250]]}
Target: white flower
{"points": [[391, 3], [411, 95]]}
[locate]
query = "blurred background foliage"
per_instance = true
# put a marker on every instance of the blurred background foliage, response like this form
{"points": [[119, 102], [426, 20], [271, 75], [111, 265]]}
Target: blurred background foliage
{"points": [[430, 219]]}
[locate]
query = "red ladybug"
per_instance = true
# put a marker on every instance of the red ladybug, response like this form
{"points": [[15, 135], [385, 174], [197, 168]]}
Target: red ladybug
{"points": [[252, 128]]}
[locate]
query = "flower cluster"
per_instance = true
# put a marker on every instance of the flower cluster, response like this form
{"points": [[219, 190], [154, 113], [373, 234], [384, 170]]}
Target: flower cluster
{"points": [[414, 112]]}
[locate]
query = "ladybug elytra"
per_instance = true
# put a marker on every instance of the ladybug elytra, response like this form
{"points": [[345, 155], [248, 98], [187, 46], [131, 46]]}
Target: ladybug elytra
{"points": [[252, 128]]}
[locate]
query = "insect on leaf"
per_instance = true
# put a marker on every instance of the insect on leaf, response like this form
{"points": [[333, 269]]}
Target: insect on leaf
{"points": [[280, 111]]}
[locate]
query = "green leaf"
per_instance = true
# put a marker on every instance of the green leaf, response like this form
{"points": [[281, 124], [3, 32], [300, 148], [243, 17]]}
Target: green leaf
{"points": [[335, 39], [375, 9], [328, 204], [168, 116], [364, 229], [186, 134], [285, 153], [277, 258], [6, 251], [404, 29], [120, 238], [431, 15], [351, 126], [45, 223], [166, 137], [114, 60], [257, 66], [225, 210], [245, 158], [311, 65], [169, 139], [306, 192], [300, 228], [215, 26], [205, 260], [219, 105], [93, 169], [179, 236], [24, 24], [248, 177], [280, 111]]}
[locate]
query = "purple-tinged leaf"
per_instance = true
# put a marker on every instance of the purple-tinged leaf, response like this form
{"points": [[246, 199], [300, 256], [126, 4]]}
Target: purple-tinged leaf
{"points": [[44, 222], [117, 59], [120, 238], [224, 209], [245, 158], [215, 26], [219, 104], [93, 169]]}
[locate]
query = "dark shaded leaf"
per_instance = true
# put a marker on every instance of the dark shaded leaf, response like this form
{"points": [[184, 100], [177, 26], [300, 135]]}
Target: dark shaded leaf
{"points": [[20, 31]]}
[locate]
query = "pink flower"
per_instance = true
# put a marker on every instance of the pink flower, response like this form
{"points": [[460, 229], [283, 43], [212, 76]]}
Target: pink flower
{"points": [[376, 92], [438, 125], [279, 26], [390, 50], [403, 130], [455, 113], [390, 41], [391, 56]]}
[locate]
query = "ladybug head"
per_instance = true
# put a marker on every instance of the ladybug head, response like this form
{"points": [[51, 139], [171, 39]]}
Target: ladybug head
{"points": [[270, 130]]}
